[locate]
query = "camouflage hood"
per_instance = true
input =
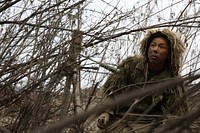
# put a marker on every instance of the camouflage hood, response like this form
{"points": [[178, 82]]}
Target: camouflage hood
{"points": [[176, 45]]}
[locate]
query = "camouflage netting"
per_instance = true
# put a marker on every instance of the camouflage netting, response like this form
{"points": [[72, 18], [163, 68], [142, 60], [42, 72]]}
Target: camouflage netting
{"points": [[176, 103], [126, 74], [117, 83]]}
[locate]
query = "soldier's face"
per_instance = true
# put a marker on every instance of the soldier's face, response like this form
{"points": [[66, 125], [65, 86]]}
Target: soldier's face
{"points": [[159, 51]]}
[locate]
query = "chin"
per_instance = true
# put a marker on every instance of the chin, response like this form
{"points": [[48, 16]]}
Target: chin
{"points": [[153, 62]]}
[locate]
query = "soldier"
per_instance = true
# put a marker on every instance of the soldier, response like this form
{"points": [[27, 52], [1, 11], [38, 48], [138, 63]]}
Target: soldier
{"points": [[161, 55]]}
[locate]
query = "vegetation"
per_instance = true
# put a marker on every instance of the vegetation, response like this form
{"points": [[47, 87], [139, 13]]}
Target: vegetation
{"points": [[56, 55]]}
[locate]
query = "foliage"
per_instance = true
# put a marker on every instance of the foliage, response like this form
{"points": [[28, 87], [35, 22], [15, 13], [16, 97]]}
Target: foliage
{"points": [[35, 53]]}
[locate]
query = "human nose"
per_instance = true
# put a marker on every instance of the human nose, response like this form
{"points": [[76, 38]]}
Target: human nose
{"points": [[155, 48]]}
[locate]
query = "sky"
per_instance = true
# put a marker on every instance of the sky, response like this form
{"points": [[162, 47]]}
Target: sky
{"points": [[160, 9], [163, 12]]}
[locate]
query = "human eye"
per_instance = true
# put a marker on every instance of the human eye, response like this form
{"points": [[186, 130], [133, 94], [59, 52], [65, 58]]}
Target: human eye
{"points": [[152, 44], [162, 46]]}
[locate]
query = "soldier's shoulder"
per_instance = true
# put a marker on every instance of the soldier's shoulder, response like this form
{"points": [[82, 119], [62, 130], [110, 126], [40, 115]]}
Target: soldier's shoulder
{"points": [[135, 58], [131, 60]]}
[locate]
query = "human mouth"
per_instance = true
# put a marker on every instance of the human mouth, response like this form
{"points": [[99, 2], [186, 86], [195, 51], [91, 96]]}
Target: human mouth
{"points": [[154, 57]]}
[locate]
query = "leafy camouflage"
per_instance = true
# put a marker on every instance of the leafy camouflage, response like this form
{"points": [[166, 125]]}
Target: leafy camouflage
{"points": [[134, 75]]}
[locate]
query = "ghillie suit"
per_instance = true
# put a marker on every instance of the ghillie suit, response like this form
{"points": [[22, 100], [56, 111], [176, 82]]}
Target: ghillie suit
{"points": [[134, 75]]}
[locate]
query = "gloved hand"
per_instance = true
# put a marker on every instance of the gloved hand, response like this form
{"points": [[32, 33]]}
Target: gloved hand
{"points": [[103, 120]]}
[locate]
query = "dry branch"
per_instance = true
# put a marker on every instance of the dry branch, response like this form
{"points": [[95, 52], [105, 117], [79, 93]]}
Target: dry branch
{"points": [[121, 100]]}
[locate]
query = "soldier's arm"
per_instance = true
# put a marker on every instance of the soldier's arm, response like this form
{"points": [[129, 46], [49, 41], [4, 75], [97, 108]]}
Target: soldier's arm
{"points": [[175, 99]]}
